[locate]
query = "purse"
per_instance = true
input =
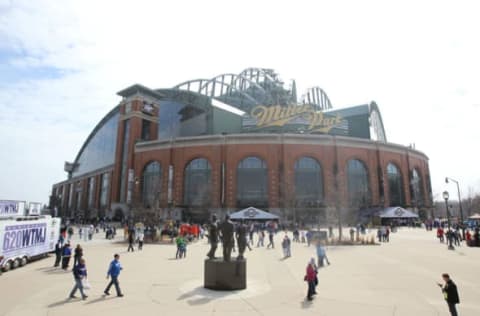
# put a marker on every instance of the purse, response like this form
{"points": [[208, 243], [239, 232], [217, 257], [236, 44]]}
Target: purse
{"points": [[86, 285]]}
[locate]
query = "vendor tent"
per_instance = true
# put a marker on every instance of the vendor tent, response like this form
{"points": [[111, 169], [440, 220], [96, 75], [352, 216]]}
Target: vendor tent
{"points": [[252, 213], [475, 216], [396, 212]]}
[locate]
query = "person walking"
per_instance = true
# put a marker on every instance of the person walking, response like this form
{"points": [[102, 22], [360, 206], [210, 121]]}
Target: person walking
{"points": [[310, 277], [270, 239], [261, 237], [113, 272], [77, 254], [79, 275], [130, 242], [66, 254], [141, 236], [450, 293], [321, 254], [58, 253], [286, 247]]}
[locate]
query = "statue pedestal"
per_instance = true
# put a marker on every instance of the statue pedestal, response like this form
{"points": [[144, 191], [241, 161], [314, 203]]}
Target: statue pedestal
{"points": [[220, 275]]}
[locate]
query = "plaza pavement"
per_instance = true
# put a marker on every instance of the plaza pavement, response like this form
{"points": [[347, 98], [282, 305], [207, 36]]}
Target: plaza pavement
{"points": [[397, 278]]}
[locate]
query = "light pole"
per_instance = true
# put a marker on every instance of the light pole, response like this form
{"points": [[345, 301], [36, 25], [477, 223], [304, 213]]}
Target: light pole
{"points": [[459, 204], [449, 232]]}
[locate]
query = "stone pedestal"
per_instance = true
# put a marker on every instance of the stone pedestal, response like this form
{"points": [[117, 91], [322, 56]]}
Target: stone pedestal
{"points": [[225, 276]]}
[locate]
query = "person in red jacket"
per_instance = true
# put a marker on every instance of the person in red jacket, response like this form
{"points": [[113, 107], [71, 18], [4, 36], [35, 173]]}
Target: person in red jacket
{"points": [[440, 233], [310, 278]]}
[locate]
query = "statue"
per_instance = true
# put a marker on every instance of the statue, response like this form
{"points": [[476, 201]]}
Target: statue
{"points": [[227, 229], [213, 237], [241, 235]]}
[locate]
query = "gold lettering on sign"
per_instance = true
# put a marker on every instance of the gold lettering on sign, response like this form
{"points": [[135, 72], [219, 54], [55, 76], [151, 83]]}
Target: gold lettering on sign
{"points": [[278, 115]]}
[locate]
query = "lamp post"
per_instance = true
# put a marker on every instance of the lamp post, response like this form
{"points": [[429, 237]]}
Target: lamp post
{"points": [[449, 232], [459, 204]]}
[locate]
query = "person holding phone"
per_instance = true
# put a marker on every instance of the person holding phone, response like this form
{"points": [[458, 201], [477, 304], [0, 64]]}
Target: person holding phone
{"points": [[450, 293]]}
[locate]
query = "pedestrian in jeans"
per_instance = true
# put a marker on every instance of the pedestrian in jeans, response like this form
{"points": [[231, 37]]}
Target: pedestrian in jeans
{"points": [[79, 274], [450, 293], [114, 272]]}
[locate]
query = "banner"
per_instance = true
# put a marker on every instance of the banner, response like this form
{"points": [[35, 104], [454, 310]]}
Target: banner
{"points": [[23, 236], [34, 208], [11, 208]]}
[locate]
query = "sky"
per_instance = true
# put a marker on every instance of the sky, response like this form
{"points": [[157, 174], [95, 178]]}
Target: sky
{"points": [[62, 63]]}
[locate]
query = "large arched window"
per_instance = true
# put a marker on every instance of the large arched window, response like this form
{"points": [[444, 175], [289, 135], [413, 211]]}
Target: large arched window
{"points": [[358, 187], [151, 184], [417, 188], [395, 185], [252, 183], [197, 183], [308, 182]]}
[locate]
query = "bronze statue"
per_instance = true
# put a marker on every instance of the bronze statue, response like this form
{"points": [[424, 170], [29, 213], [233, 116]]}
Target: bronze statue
{"points": [[227, 229], [241, 235], [213, 237]]}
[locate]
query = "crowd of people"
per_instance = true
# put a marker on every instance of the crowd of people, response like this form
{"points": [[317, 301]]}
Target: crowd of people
{"points": [[247, 234]]}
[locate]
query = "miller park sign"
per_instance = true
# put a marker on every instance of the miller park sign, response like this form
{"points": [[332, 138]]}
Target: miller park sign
{"points": [[304, 114]]}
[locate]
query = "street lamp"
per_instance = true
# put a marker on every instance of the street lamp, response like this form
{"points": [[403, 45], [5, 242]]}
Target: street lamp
{"points": [[449, 233], [459, 204]]}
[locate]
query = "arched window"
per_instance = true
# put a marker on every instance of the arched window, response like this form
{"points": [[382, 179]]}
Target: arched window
{"points": [[395, 185], [358, 187], [308, 182], [252, 183], [417, 188], [151, 184], [197, 184]]}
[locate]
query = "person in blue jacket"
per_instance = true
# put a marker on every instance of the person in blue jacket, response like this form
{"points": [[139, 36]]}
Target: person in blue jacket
{"points": [[113, 272], [66, 254], [79, 274]]}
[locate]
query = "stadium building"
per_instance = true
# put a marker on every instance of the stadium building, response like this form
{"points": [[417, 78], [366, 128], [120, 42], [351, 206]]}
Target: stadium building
{"points": [[238, 140]]}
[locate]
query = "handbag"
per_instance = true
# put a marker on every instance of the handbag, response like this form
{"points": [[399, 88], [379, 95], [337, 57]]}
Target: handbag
{"points": [[86, 285]]}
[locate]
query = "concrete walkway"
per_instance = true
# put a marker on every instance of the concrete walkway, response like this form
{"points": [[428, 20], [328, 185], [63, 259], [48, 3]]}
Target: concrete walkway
{"points": [[396, 278]]}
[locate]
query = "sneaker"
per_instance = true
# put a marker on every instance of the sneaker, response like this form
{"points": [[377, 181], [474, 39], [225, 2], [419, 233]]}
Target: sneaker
{"points": [[73, 296], [120, 295], [106, 293], [84, 297]]}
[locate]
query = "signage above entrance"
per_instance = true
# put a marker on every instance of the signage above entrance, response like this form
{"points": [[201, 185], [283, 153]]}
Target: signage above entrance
{"points": [[305, 114]]}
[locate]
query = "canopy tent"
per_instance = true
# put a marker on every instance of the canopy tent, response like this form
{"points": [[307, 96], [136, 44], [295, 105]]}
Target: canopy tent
{"points": [[252, 213], [475, 216], [396, 212]]}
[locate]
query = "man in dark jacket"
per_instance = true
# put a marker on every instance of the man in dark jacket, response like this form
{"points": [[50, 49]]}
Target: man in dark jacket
{"points": [[79, 273], [449, 290], [58, 253]]}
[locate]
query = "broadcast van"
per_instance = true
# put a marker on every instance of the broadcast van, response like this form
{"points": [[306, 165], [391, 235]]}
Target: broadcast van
{"points": [[24, 238]]}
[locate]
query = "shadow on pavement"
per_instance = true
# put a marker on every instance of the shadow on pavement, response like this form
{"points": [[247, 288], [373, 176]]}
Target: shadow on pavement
{"points": [[201, 295], [61, 303], [102, 298], [306, 304]]}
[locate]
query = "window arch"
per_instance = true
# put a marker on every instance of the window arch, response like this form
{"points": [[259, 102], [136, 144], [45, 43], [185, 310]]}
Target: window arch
{"points": [[151, 183], [358, 185], [395, 185], [308, 182], [252, 182], [197, 182], [417, 188]]}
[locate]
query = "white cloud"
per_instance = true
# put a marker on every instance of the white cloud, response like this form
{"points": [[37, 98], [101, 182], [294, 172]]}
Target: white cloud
{"points": [[418, 60]]}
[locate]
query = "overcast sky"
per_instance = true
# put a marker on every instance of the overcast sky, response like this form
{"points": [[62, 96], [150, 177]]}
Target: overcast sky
{"points": [[62, 62]]}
